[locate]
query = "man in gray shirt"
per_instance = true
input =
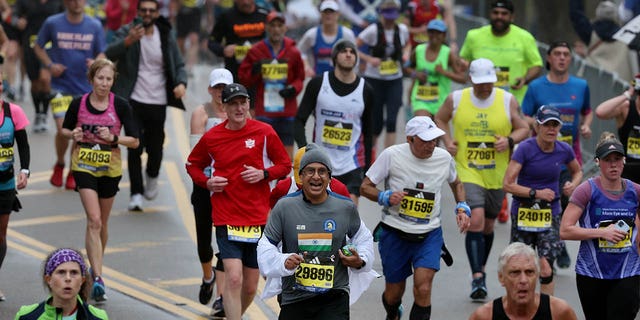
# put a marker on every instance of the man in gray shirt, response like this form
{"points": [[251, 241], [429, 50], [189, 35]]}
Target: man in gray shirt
{"points": [[312, 225]]}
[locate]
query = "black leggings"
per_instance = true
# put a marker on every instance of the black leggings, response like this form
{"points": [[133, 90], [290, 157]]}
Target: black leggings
{"points": [[604, 299], [201, 201]]}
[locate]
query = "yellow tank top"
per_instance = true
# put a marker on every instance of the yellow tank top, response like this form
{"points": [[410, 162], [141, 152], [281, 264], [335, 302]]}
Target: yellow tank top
{"points": [[474, 128]]}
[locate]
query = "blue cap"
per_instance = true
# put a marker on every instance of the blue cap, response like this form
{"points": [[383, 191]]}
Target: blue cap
{"points": [[547, 113], [437, 25]]}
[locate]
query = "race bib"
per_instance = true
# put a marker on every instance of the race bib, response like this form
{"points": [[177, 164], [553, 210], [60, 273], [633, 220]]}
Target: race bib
{"points": [[421, 37], [534, 216], [633, 144], [94, 158], [566, 137], [388, 67], [481, 155], [314, 277], [240, 51], [502, 73], [60, 104], [337, 134], [250, 234], [273, 101], [427, 92], [621, 246], [417, 206], [275, 71], [6, 157]]}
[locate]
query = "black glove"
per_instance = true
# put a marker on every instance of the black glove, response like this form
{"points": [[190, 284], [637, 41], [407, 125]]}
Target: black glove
{"points": [[256, 68], [288, 92]]}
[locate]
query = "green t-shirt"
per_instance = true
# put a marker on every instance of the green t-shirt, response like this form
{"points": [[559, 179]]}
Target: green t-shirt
{"points": [[512, 54]]}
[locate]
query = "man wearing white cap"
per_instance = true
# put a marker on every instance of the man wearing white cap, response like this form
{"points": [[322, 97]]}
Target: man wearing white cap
{"points": [[486, 124], [410, 233], [317, 42]]}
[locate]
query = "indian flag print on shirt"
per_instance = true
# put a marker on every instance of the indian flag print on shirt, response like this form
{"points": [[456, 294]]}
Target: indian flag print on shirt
{"points": [[314, 241]]}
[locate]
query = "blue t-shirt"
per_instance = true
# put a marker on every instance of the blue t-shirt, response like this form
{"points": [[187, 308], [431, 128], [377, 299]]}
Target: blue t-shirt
{"points": [[540, 169], [71, 46], [571, 98]]}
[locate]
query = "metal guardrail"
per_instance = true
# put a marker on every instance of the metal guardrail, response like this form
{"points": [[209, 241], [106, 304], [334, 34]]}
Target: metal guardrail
{"points": [[602, 85]]}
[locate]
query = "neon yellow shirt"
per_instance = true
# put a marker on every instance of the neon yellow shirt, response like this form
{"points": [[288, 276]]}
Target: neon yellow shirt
{"points": [[513, 54], [474, 128]]}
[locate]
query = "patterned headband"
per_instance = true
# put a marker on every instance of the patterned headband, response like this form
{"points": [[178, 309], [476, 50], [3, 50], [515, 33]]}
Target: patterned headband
{"points": [[61, 256]]}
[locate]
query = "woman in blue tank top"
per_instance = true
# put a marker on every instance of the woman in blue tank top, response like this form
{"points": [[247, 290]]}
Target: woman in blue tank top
{"points": [[606, 210]]}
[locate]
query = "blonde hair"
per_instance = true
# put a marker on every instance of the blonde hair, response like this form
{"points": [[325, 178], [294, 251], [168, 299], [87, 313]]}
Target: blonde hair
{"points": [[99, 64], [606, 137]]}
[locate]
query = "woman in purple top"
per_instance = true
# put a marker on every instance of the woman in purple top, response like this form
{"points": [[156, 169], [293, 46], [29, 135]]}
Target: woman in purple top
{"points": [[532, 178]]}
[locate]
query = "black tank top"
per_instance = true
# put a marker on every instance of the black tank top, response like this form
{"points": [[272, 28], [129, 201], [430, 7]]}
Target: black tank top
{"points": [[630, 128], [543, 313]]}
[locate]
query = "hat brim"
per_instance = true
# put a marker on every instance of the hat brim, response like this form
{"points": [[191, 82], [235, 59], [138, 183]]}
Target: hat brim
{"points": [[391, 15], [235, 95], [217, 82], [437, 29], [549, 119], [484, 79], [608, 152], [431, 134]]}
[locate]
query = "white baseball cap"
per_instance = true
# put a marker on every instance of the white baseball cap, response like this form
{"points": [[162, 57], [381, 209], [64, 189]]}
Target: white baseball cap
{"points": [[482, 71], [423, 127], [329, 5], [220, 76]]}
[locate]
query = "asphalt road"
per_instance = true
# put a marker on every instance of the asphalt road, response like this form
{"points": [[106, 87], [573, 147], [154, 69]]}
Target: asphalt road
{"points": [[151, 266]]}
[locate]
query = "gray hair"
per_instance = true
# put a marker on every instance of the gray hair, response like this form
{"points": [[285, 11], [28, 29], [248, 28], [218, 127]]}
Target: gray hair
{"points": [[517, 249]]}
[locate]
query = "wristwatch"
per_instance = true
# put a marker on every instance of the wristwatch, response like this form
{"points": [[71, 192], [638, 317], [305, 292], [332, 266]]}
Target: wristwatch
{"points": [[532, 193], [26, 171], [364, 263], [266, 174]]}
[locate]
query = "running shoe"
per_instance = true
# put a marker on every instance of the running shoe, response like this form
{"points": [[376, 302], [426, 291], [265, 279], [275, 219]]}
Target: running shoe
{"points": [[135, 204], [503, 216], [217, 310], [56, 177], [564, 261], [71, 182], [151, 189], [206, 290], [478, 289], [98, 291]]}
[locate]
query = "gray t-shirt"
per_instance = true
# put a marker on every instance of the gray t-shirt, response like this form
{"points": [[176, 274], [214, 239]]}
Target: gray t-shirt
{"points": [[320, 230]]}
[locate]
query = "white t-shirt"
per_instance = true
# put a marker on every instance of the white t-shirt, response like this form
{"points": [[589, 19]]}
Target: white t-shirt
{"points": [[400, 170], [151, 81]]}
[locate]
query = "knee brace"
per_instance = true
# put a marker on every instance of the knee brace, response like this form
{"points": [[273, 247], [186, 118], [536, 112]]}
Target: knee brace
{"points": [[547, 280]]}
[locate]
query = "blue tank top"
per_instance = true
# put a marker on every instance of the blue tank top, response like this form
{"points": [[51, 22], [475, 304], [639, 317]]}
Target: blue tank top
{"points": [[596, 257], [322, 51], [7, 131]]}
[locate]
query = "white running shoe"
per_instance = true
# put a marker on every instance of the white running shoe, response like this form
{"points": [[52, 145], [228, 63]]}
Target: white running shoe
{"points": [[151, 188], [135, 204]]}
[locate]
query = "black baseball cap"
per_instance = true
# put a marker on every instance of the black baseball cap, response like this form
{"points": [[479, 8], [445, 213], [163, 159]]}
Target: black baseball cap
{"points": [[554, 45], [505, 4], [609, 147], [233, 90]]}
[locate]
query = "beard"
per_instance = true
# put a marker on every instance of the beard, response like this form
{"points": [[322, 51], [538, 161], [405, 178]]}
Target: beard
{"points": [[500, 26]]}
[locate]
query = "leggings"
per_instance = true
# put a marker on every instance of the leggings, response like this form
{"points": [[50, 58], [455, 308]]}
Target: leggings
{"points": [[604, 299], [201, 201]]}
